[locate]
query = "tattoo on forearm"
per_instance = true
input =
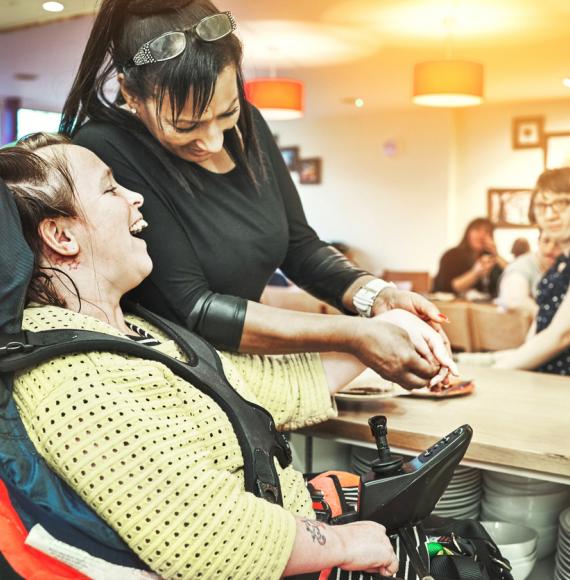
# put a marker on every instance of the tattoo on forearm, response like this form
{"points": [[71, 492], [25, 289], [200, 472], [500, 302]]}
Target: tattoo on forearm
{"points": [[316, 530]]}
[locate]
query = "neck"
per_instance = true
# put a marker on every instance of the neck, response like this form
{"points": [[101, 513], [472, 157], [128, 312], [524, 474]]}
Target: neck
{"points": [[95, 296]]}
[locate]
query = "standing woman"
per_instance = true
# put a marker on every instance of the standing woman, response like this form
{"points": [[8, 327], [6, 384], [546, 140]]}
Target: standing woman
{"points": [[223, 210]]}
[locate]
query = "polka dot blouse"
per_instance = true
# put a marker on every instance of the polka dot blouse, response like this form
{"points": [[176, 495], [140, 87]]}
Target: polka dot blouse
{"points": [[551, 292], [158, 460]]}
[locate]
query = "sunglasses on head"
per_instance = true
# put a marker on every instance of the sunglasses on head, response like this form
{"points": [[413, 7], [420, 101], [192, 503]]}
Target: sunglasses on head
{"points": [[172, 44]]}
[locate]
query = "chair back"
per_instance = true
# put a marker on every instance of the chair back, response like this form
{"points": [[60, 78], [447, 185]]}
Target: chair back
{"points": [[419, 281], [459, 328], [495, 329]]}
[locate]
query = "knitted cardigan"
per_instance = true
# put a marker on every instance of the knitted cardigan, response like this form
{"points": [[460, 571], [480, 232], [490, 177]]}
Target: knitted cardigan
{"points": [[158, 460]]}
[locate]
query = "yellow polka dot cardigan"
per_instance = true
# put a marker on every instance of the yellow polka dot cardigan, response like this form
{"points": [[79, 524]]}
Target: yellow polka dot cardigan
{"points": [[158, 460]]}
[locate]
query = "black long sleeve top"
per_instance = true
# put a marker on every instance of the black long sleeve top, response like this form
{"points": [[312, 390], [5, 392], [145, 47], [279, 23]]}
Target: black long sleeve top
{"points": [[215, 248]]}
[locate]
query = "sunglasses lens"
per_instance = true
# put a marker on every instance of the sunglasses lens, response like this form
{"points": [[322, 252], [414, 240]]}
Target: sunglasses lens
{"points": [[214, 27], [168, 46]]}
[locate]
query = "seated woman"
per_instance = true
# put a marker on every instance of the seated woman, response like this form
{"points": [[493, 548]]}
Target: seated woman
{"points": [[518, 285], [150, 453], [549, 349], [473, 264]]}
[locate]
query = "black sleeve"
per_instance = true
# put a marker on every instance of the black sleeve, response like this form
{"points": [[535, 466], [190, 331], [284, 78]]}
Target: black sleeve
{"points": [[177, 287], [311, 263]]}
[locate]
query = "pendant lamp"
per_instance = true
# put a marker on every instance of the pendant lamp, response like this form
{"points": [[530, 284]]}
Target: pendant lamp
{"points": [[278, 99], [448, 83]]}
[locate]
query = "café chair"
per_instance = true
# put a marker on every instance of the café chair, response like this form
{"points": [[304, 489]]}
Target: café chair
{"points": [[419, 281], [459, 328], [496, 329]]}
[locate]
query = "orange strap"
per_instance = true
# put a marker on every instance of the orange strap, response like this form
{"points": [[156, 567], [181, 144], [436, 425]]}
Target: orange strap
{"points": [[25, 560]]}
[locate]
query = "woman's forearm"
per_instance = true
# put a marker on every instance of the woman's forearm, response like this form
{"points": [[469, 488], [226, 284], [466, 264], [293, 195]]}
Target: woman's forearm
{"points": [[465, 281], [536, 351], [357, 546]]}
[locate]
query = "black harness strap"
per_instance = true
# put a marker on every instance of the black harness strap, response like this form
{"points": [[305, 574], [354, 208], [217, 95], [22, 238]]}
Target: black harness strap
{"points": [[259, 440]]}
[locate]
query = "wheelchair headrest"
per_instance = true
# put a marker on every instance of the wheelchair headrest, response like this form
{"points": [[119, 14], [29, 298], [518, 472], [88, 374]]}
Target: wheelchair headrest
{"points": [[16, 264]]}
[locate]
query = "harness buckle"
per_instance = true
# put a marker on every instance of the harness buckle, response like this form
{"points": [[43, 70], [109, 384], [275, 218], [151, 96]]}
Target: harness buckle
{"points": [[14, 347]]}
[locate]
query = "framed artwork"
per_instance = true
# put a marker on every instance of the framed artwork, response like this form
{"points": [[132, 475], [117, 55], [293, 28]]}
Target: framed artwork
{"points": [[557, 150], [508, 208], [309, 171], [528, 132], [291, 157]]}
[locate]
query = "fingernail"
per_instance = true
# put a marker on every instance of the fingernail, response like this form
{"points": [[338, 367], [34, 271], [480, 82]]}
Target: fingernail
{"points": [[443, 317]]}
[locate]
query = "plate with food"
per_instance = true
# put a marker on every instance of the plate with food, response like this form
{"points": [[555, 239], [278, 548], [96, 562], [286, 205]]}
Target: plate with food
{"points": [[365, 393], [454, 389]]}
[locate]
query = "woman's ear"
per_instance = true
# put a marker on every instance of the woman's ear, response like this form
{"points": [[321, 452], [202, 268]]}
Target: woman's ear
{"points": [[131, 102], [59, 237]]}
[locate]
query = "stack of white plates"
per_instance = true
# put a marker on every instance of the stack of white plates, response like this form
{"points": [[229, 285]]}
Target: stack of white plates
{"points": [[462, 498], [525, 501], [562, 569]]}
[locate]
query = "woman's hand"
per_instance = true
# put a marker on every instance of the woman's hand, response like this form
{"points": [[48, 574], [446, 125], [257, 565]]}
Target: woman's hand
{"points": [[362, 546], [431, 343], [388, 350], [367, 548]]}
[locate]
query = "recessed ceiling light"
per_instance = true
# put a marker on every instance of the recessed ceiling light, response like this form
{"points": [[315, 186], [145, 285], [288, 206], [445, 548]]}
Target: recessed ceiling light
{"points": [[359, 103], [53, 6], [566, 82]]}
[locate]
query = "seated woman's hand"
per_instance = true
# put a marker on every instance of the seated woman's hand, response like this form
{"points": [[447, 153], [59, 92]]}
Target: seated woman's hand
{"points": [[432, 344], [367, 548]]}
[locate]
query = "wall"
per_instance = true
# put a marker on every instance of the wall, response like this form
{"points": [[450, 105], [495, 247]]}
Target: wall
{"points": [[392, 208], [402, 212]]}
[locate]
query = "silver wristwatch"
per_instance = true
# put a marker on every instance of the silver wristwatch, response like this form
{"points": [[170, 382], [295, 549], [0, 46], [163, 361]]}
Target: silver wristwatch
{"points": [[364, 297]]}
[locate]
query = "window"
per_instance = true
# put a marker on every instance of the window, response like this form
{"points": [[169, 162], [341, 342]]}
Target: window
{"points": [[32, 121]]}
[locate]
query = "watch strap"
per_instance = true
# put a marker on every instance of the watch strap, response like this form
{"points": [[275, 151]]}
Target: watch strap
{"points": [[364, 298]]}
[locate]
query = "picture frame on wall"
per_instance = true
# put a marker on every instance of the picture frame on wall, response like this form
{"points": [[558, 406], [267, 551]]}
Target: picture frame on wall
{"points": [[528, 132], [508, 208], [557, 150], [310, 170], [291, 157]]}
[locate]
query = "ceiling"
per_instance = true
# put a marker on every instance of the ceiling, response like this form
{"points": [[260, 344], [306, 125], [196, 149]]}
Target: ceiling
{"points": [[340, 48]]}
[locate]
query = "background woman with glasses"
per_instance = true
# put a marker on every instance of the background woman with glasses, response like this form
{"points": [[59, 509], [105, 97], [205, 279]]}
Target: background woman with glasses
{"points": [[222, 208], [549, 349]]}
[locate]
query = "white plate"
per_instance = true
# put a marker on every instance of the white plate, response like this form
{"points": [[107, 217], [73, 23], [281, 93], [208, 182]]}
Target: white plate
{"points": [[346, 395]]}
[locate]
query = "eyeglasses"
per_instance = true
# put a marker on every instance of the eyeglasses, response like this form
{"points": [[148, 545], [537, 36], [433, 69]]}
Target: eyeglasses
{"points": [[558, 206], [172, 44]]}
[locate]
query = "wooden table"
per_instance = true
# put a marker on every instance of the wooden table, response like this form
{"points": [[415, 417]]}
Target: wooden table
{"points": [[521, 422]]}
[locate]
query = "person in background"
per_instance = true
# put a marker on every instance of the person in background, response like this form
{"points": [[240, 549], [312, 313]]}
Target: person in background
{"points": [[518, 286], [224, 213], [473, 264], [548, 350], [520, 247]]}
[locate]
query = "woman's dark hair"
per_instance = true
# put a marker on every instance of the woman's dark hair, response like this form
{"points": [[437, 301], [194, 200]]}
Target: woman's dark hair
{"points": [[43, 188], [476, 224], [552, 181], [120, 29]]}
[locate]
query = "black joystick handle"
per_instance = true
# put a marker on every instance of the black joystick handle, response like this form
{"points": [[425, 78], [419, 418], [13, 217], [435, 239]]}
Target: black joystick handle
{"points": [[387, 463]]}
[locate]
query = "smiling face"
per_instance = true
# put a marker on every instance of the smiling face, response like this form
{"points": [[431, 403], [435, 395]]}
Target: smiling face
{"points": [[552, 213], [194, 139], [103, 238]]}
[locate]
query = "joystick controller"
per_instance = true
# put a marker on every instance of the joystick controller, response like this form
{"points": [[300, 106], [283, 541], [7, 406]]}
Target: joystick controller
{"points": [[387, 463], [398, 494]]}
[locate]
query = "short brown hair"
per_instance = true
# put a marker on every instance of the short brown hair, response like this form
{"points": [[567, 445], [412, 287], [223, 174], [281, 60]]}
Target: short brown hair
{"points": [[42, 188], [553, 181]]}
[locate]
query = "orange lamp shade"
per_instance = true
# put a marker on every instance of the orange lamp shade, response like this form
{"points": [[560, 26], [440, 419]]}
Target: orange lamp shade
{"points": [[448, 83], [278, 99]]}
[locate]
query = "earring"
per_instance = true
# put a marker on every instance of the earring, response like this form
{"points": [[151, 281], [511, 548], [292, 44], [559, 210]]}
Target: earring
{"points": [[133, 110]]}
